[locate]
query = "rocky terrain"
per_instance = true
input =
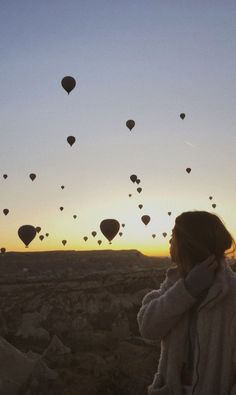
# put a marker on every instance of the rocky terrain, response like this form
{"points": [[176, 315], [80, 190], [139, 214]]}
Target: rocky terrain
{"points": [[71, 317]]}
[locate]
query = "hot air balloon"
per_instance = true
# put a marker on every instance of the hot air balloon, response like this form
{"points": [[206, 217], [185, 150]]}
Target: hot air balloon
{"points": [[61, 208], [32, 176], [85, 238], [37, 229], [182, 115], [210, 197], [145, 219], [169, 212], [120, 234], [140, 206], [153, 236], [214, 205], [139, 190], [164, 234], [5, 176], [64, 242], [133, 177], [27, 233], [109, 228], [68, 83], [62, 187], [71, 140], [3, 250], [99, 242], [5, 211], [123, 225], [93, 233], [130, 124], [74, 216], [41, 237], [130, 195], [188, 170], [138, 181], [47, 234]]}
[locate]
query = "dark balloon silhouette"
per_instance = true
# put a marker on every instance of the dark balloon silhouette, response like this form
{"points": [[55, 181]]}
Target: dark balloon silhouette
{"points": [[130, 194], [120, 234], [164, 234], [140, 206], [3, 250], [5, 176], [130, 124], [61, 208], [68, 83], [64, 242], [41, 237], [133, 177], [5, 211], [93, 233], [109, 228], [182, 115], [71, 140], [138, 181], [153, 236], [139, 190], [38, 229], [123, 225], [47, 234], [145, 219], [188, 170], [85, 238], [62, 187], [214, 205], [169, 212], [210, 197], [27, 233], [99, 242], [74, 216], [32, 176]]}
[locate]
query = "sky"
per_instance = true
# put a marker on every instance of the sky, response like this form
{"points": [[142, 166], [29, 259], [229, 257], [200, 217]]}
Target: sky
{"points": [[146, 61]]}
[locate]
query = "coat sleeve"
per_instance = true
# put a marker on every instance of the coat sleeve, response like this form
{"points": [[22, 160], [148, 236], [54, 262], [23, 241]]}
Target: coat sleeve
{"points": [[233, 334], [161, 309]]}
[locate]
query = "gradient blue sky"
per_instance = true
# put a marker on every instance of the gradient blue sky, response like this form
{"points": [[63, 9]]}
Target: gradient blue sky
{"points": [[147, 61]]}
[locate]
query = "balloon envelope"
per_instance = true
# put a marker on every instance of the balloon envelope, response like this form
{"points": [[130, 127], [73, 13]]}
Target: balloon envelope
{"points": [[99, 242], [182, 115], [5, 176], [41, 237], [140, 206], [61, 208], [32, 176], [68, 83], [133, 177], [153, 236], [169, 212], [38, 229], [85, 238], [214, 205], [27, 233], [47, 234], [74, 216], [71, 140], [130, 124], [139, 190], [145, 219], [64, 242], [109, 228], [5, 211], [62, 187], [93, 233], [164, 234], [188, 170]]}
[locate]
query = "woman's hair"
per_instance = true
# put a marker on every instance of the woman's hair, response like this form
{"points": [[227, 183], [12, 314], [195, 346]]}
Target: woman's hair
{"points": [[199, 234]]}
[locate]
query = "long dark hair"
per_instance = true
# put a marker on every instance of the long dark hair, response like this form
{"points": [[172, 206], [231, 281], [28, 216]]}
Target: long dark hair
{"points": [[199, 234]]}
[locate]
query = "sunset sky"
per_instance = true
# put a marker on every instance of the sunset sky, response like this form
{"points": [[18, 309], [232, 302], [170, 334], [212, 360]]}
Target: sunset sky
{"points": [[143, 60]]}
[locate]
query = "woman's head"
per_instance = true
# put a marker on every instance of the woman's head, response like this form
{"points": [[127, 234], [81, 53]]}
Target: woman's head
{"points": [[195, 236]]}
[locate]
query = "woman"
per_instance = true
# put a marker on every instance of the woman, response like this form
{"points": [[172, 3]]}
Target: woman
{"points": [[193, 313]]}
